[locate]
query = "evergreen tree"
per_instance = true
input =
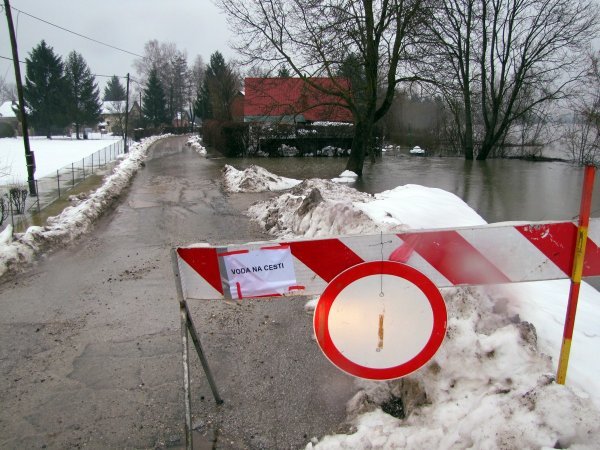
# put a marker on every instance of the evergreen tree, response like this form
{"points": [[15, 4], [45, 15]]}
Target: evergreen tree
{"points": [[154, 109], [114, 90], [284, 72], [46, 90], [220, 86], [180, 74], [84, 96], [202, 107]]}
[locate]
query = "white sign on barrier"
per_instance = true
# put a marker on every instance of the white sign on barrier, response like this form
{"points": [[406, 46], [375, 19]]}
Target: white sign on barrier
{"points": [[254, 273]]}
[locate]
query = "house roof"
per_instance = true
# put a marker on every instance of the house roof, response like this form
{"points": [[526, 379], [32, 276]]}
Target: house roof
{"points": [[281, 97]]}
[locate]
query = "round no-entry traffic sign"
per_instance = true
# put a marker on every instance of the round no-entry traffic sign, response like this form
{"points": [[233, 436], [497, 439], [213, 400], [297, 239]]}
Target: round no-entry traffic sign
{"points": [[380, 320]]}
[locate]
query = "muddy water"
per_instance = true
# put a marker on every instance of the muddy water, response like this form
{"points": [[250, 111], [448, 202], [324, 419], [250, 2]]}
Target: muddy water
{"points": [[499, 190]]}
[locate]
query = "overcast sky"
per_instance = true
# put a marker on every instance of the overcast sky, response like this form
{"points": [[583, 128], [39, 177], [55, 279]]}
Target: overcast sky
{"points": [[196, 26]]}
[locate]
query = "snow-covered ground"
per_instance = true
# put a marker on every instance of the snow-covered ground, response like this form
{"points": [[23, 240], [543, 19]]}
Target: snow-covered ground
{"points": [[491, 385], [50, 154], [21, 249]]}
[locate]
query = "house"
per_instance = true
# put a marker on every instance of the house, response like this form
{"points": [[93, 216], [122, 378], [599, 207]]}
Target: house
{"points": [[113, 116], [293, 101], [8, 115]]}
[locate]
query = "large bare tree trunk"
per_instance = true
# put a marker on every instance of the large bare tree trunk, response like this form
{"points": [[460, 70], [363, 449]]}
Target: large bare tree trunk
{"points": [[360, 143]]}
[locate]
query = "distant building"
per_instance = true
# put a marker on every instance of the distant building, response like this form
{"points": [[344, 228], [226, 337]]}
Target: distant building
{"points": [[113, 116], [293, 100]]}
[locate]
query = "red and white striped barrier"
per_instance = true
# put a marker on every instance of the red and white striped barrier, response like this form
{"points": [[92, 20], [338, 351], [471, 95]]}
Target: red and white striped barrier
{"points": [[491, 254]]}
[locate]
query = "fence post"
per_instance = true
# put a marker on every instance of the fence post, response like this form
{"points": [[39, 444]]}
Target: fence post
{"points": [[73, 174], [92, 163], [37, 189], [83, 167], [58, 182], [12, 215]]}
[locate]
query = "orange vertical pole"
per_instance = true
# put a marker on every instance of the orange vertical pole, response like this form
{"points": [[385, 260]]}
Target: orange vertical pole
{"points": [[576, 273]]}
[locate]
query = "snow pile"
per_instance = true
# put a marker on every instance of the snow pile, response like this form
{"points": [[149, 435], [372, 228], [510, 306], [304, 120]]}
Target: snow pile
{"points": [[255, 179], [20, 249], [418, 206], [347, 176], [196, 143], [487, 387], [491, 384], [314, 208]]}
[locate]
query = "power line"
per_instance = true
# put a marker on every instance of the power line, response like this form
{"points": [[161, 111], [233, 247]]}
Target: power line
{"points": [[94, 74], [77, 34]]}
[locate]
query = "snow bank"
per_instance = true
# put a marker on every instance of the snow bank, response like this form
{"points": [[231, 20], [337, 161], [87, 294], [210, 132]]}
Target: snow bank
{"points": [[314, 208], [491, 384], [416, 206], [347, 176], [196, 143], [21, 249], [255, 179]]}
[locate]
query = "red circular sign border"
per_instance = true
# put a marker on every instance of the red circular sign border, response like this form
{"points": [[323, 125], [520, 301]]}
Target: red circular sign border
{"points": [[335, 287]]}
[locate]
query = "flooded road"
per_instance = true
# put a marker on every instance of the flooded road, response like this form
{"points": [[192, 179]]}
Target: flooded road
{"points": [[90, 340]]}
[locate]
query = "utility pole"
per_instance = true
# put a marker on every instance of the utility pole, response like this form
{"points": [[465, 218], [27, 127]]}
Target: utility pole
{"points": [[126, 114], [29, 157]]}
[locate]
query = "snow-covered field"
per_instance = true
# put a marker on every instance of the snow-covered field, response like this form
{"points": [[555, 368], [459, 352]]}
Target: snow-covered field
{"points": [[50, 154], [19, 249], [491, 385]]}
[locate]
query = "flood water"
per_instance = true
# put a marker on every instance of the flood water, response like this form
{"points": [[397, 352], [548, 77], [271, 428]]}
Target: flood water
{"points": [[499, 189]]}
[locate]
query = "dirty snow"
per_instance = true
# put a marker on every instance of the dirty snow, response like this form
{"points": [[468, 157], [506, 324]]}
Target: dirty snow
{"points": [[196, 143], [254, 179], [21, 248], [491, 385]]}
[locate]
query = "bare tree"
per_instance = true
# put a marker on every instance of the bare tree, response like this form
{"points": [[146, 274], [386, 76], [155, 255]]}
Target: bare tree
{"points": [[8, 91], [195, 79], [582, 136], [497, 50], [315, 38]]}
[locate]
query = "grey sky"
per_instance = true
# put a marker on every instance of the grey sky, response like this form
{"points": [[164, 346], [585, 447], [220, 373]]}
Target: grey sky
{"points": [[196, 26]]}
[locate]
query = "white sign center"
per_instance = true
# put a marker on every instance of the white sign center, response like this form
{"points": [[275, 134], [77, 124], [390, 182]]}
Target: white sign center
{"points": [[380, 331]]}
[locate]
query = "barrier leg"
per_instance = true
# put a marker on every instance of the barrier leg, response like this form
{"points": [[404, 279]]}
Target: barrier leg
{"points": [[188, 326], [202, 356], [186, 377]]}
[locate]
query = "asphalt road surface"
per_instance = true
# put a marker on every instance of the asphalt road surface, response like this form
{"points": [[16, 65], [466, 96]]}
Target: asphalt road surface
{"points": [[90, 352]]}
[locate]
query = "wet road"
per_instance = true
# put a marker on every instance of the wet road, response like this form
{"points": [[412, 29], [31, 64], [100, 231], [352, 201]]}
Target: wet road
{"points": [[90, 341]]}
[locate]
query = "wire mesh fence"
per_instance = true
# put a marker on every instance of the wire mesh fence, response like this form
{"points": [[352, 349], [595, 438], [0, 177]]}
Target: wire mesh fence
{"points": [[17, 206]]}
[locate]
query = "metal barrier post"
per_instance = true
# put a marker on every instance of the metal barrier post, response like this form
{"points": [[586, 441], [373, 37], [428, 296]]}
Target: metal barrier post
{"points": [[73, 174], [58, 182], [92, 163], [83, 167]]}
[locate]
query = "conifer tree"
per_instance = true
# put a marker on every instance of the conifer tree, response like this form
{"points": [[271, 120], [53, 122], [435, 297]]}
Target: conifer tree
{"points": [[84, 96], [154, 109], [45, 90], [114, 90]]}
